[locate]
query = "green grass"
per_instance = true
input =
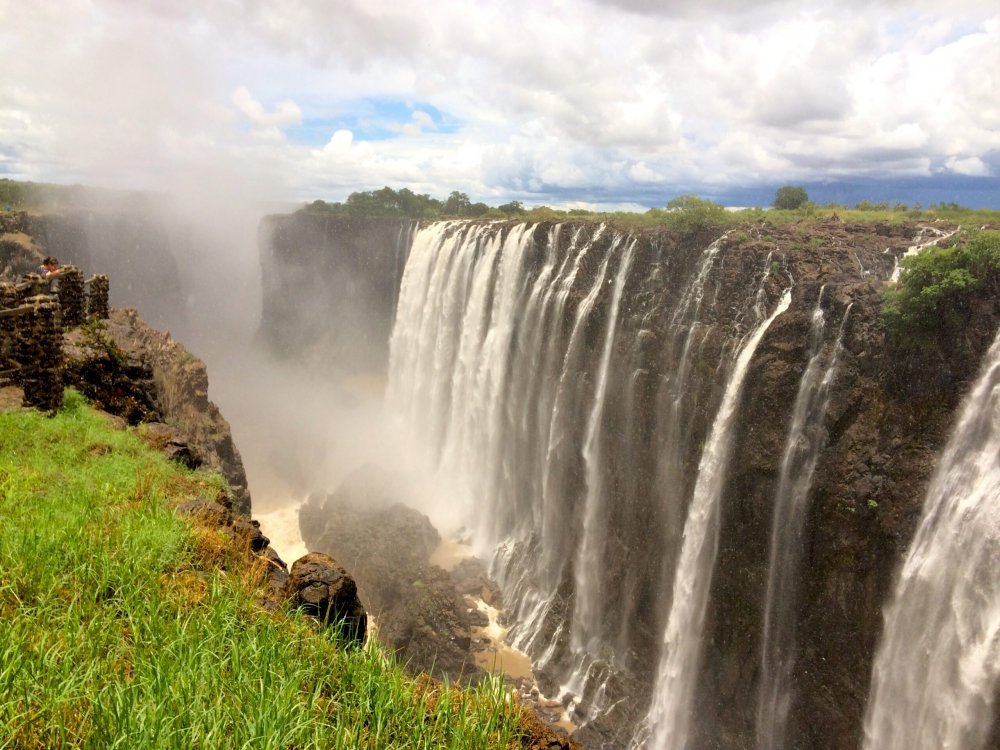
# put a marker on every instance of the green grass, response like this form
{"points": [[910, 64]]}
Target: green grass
{"points": [[114, 632]]}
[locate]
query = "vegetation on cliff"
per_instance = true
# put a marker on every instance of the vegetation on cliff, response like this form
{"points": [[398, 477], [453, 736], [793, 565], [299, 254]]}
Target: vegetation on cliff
{"points": [[939, 288], [122, 624]]}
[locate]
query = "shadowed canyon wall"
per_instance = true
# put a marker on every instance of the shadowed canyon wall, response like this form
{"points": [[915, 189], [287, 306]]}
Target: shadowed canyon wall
{"points": [[330, 287], [694, 461]]}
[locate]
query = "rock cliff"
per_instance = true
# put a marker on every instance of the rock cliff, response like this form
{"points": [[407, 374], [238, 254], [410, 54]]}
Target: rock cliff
{"points": [[603, 360], [330, 287], [142, 373]]}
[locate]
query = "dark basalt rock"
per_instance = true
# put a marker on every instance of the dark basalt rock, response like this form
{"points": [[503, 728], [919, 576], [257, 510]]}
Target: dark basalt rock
{"points": [[323, 589], [110, 380], [387, 546]]}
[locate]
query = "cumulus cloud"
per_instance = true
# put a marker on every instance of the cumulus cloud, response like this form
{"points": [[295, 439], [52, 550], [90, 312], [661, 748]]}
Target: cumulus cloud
{"points": [[972, 166], [285, 112], [598, 96]]}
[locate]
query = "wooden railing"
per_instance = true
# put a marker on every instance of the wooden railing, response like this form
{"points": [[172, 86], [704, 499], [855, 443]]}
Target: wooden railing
{"points": [[33, 314]]}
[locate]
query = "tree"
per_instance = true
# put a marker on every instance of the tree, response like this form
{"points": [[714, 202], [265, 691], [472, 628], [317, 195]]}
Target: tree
{"points": [[790, 197], [458, 204], [691, 214], [693, 203], [514, 207]]}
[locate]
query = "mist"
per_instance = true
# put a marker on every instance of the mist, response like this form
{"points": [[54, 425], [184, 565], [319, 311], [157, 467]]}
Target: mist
{"points": [[191, 264]]}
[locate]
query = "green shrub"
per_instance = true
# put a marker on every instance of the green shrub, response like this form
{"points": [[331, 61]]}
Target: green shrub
{"points": [[937, 287], [691, 214]]}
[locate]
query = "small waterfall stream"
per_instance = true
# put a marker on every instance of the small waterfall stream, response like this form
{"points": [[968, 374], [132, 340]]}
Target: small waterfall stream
{"points": [[589, 581], [669, 715], [937, 668], [806, 436]]}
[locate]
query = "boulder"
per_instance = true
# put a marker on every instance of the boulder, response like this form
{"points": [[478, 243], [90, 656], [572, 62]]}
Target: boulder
{"points": [[323, 589], [387, 546]]}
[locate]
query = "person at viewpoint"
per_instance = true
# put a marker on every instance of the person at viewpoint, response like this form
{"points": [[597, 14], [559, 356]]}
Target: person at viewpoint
{"points": [[49, 268]]}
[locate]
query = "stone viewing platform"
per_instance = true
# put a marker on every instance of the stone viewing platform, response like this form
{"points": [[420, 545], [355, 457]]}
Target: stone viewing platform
{"points": [[33, 315]]}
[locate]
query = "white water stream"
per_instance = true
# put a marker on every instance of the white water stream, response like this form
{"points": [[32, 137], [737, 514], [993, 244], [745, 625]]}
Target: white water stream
{"points": [[670, 711], [589, 579], [937, 669], [925, 238], [806, 435]]}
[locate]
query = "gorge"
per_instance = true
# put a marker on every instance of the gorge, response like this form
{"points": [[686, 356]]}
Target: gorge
{"points": [[694, 461]]}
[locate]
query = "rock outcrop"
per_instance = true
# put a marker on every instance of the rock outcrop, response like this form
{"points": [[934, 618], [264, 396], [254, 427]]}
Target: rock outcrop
{"points": [[143, 375], [323, 589], [387, 546]]}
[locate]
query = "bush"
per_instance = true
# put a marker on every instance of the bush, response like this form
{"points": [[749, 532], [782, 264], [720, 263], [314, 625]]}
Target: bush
{"points": [[691, 214], [937, 288]]}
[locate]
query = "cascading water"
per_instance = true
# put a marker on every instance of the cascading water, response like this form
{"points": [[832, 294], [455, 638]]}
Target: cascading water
{"points": [[937, 669], [802, 447], [669, 714], [576, 391], [526, 367], [926, 237], [589, 581]]}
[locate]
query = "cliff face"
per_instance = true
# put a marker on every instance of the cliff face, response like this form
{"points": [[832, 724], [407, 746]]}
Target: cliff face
{"points": [[604, 361], [181, 383], [330, 287]]}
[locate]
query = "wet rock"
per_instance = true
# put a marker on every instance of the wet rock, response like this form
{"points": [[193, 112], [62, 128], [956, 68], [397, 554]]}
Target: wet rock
{"points": [[323, 589], [470, 577], [387, 547], [477, 618]]}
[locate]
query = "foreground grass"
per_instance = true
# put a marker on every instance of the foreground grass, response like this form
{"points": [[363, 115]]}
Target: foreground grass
{"points": [[113, 633]]}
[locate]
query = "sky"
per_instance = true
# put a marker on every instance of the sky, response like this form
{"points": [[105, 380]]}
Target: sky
{"points": [[566, 103]]}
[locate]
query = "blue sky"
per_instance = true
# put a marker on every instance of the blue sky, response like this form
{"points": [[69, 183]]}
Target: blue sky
{"points": [[588, 103]]}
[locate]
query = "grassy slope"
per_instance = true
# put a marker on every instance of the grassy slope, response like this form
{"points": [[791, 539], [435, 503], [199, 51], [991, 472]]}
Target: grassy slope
{"points": [[116, 631]]}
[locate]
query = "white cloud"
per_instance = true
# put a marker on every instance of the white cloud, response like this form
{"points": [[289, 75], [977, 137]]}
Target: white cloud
{"points": [[972, 166], [285, 112], [608, 96]]}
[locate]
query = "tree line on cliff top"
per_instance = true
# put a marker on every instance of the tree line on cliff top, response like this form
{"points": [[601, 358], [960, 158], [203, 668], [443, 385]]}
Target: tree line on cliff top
{"points": [[407, 204], [791, 202], [683, 210]]}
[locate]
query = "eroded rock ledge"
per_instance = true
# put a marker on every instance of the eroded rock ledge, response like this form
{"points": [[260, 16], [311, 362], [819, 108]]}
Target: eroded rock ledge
{"points": [[142, 374]]}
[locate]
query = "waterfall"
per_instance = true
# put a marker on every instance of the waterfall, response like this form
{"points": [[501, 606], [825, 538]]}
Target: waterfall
{"points": [[669, 714], [805, 439], [937, 668], [524, 362], [589, 581]]}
